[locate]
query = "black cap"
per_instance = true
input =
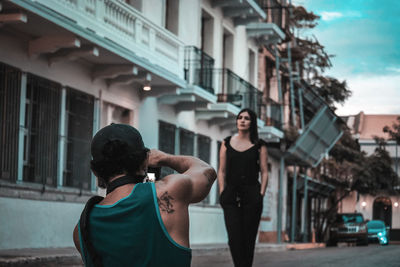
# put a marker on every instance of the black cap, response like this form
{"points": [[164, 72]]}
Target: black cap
{"points": [[122, 132]]}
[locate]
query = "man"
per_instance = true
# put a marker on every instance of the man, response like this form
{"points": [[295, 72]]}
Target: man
{"points": [[139, 224]]}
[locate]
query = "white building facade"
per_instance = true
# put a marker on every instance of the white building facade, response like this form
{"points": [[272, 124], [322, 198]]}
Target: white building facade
{"points": [[71, 67]]}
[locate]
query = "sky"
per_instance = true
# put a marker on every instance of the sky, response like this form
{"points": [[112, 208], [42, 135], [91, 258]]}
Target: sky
{"points": [[364, 36]]}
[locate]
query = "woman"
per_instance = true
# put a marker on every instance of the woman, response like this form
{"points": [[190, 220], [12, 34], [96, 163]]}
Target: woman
{"points": [[242, 157]]}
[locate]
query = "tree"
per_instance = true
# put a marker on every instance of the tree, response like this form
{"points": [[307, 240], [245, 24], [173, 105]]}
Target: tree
{"points": [[340, 169], [376, 174], [315, 60], [394, 131]]}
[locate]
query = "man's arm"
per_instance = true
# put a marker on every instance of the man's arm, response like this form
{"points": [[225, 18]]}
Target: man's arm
{"points": [[222, 168], [76, 239], [195, 179]]}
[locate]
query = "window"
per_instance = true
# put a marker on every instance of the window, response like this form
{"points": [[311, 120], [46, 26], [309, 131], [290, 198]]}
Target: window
{"points": [[172, 15], [166, 143], [186, 141], [252, 68], [42, 115], [207, 33], [80, 107], [10, 83], [227, 53], [137, 4]]}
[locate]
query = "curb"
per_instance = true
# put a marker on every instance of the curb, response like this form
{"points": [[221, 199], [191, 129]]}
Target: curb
{"points": [[301, 246], [69, 256]]}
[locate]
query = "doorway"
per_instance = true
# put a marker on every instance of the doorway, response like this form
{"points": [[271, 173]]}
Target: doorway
{"points": [[382, 210]]}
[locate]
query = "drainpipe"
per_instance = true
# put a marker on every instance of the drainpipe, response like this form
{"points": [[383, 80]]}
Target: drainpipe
{"points": [[294, 205], [280, 200], [304, 217], [21, 133]]}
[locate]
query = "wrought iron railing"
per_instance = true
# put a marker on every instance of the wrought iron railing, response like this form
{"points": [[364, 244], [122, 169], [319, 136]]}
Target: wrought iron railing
{"points": [[199, 68], [237, 91]]}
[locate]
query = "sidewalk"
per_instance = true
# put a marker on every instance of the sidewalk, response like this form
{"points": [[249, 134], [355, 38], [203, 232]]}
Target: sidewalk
{"points": [[70, 257]]}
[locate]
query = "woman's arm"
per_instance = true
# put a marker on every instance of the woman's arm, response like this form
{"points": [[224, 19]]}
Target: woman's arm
{"points": [[264, 169], [222, 167]]}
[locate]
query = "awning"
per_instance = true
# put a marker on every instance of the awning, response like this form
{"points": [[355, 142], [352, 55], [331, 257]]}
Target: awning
{"points": [[318, 138]]}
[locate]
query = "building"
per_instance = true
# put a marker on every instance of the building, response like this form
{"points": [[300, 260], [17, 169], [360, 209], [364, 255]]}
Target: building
{"points": [[179, 71], [383, 206]]}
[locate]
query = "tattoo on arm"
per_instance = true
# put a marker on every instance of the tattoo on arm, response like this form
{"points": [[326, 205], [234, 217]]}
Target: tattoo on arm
{"points": [[165, 203]]}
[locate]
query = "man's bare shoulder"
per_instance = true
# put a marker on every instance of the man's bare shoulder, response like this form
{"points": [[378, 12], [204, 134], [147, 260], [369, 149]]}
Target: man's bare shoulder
{"points": [[177, 186]]}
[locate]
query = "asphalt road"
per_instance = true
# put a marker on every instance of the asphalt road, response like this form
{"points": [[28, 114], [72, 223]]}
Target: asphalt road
{"points": [[373, 255]]}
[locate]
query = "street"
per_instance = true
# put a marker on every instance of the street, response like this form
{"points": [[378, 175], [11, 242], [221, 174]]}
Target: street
{"points": [[343, 256]]}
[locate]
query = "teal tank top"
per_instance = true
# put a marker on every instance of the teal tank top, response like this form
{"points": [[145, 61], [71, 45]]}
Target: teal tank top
{"points": [[131, 233]]}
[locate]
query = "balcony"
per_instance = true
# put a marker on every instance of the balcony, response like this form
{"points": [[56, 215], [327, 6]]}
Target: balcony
{"points": [[265, 33], [199, 68], [273, 129], [119, 28], [198, 73], [237, 91], [241, 12]]}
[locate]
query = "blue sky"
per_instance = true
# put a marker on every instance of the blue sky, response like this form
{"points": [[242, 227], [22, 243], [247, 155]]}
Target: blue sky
{"points": [[364, 36]]}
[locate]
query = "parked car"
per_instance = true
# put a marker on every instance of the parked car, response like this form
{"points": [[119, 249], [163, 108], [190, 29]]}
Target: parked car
{"points": [[349, 227], [378, 231]]}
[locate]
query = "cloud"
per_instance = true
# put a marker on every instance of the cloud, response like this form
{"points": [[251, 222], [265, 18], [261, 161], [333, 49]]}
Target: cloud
{"points": [[394, 69], [373, 94], [327, 16]]}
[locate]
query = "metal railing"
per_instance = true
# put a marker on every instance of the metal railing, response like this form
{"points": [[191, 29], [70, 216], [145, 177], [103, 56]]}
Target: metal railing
{"points": [[199, 68], [237, 91]]}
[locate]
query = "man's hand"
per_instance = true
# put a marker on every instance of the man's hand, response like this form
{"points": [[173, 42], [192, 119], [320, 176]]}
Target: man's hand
{"points": [[156, 157]]}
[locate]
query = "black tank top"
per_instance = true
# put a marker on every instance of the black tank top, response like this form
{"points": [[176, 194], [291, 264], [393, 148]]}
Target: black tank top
{"points": [[242, 167]]}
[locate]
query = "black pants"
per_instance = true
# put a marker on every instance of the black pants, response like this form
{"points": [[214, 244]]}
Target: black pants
{"points": [[242, 212]]}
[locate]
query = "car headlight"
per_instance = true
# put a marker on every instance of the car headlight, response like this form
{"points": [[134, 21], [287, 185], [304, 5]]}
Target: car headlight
{"points": [[380, 234]]}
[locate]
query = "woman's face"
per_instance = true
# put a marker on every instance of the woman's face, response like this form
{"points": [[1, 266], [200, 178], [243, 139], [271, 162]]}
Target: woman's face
{"points": [[243, 121]]}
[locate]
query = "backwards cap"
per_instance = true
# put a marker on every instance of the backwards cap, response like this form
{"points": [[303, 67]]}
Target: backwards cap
{"points": [[122, 132]]}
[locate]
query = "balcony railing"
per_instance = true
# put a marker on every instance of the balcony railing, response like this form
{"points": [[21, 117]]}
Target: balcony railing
{"points": [[273, 110], [237, 91], [199, 68], [125, 26]]}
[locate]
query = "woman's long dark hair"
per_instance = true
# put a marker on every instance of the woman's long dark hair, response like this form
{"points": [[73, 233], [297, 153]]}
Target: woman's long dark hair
{"points": [[253, 124]]}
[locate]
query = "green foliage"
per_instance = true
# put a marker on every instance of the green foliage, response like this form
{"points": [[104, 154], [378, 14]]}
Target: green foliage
{"points": [[304, 19], [315, 60], [377, 173], [332, 90], [351, 168], [394, 131]]}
